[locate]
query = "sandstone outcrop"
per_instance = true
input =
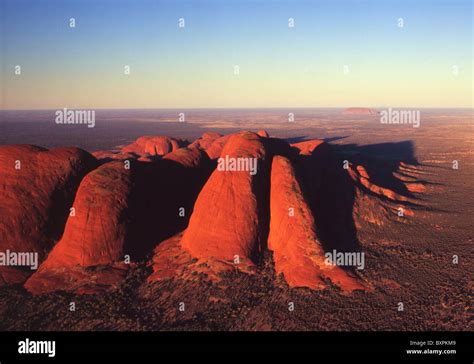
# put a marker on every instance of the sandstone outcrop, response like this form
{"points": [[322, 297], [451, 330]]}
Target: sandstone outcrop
{"points": [[37, 188], [153, 145], [297, 252], [359, 111], [228, 213], [95, 236]]}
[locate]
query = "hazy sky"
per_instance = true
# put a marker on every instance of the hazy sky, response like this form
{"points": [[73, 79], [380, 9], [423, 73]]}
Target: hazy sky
{"points": [[171, 67]]}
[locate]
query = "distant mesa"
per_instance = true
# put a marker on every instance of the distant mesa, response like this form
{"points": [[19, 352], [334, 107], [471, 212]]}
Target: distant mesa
{"points": [[360, 111], [91, 218]]}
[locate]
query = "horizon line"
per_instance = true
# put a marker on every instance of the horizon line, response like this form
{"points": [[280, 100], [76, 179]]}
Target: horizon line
{"points": [[248, 108]]}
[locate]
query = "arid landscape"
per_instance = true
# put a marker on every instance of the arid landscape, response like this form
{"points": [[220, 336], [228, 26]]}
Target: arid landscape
{"points": [[238, 175], [137, 228]]}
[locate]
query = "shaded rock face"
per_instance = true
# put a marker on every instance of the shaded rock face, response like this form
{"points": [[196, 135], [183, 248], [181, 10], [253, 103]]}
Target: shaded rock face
{"points": [[95, 236], [330, 194], [37, 188], [121, 213], [227, 219], [171, 188], [297, 252], [312, 164]]}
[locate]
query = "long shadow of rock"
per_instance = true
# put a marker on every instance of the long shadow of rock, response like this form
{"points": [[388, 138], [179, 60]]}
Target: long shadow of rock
{"points": [[382, 161], [331, 192]]}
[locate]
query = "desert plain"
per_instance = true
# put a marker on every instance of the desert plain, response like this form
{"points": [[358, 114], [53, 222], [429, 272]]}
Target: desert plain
{"points": [[418, 266]]}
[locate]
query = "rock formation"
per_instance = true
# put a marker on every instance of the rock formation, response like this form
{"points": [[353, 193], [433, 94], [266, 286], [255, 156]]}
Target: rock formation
{"points": [[37, 188], [228, 212], [297, 252], [359, 111], [153, 145], [212, 206], [95, 236]]}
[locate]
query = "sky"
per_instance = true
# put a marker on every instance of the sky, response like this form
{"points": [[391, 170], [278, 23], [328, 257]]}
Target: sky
{"points": [[339, 53]]}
